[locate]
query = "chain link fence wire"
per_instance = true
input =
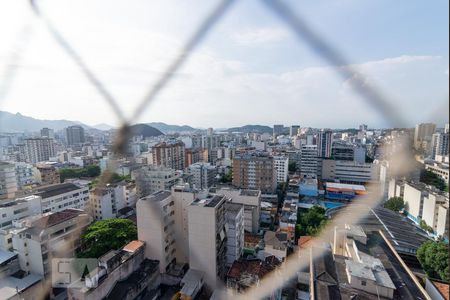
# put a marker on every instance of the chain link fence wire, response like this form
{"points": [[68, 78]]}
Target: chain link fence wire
{"points": [[400, 161]]}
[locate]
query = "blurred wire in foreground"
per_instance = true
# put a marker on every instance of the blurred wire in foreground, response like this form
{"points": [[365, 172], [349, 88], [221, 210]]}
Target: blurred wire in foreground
{"points": [[186, 51], [79, 61], [342, 65], [14, 60]]}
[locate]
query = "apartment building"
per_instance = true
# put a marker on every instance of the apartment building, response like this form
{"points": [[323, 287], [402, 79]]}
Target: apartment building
{"points": [[169, 154], [234, 218], [281, 164], [8, 181], [16, 209], [203, 175], [75, 135], [39, 149], [207, 238], [441, 170], [350, 171], [428, 204], [423, 134], [122, 274], [349, 152], [54, 235], [48, 174], [26, 174], [105, 202], [439, 144], [324, 143], [156, 227], [151, 179], [255, 171], [63, 196], [195, 155], [309, 161], [251, 199]]}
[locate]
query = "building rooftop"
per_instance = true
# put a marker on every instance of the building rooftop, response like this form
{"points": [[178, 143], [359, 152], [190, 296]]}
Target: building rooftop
{"points": [[5, 256], [209, 201], [133, 246], [256, 268], [56, 189], [158, 196], [56, 218], [345, 187], [10, 285]]}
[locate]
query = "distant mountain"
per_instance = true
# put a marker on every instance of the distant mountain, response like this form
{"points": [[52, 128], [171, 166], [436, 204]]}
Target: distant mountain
{"points": [[252, 129], [166, 128], [19, 123], [103, 126], [145, 130]]}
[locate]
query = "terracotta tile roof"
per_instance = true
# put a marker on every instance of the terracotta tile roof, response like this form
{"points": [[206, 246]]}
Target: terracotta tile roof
{"points": [[303, 241], [250, 238], [254, 267], [443, 289], [133, 246]]}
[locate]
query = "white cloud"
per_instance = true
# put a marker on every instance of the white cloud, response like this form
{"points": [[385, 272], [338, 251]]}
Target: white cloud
{"points": [[259, 36]]}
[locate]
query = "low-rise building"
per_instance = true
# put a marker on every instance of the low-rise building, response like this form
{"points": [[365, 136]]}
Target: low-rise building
{"points": [[151, 179], [63, 196], [350, 171], [121, 274]]}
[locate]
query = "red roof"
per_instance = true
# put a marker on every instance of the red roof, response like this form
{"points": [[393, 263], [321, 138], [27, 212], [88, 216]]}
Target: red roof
{"points": [[303, 241], [133, 246], [254, 267], [443, 289]]}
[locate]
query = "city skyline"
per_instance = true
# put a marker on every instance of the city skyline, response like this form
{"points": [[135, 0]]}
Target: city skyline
{"points": [[238, 70]]}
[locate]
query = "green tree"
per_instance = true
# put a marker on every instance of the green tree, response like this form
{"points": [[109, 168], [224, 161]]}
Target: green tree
{"points": [[395, 204], [430, 178], [426, 227], [433, 256], [310, 222], [292, 167], [90, 171], [102, 236]]}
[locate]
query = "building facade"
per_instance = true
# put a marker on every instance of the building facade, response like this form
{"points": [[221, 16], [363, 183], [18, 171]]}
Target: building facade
{"points": [[169, 155], [39, 149], [255, 171]]}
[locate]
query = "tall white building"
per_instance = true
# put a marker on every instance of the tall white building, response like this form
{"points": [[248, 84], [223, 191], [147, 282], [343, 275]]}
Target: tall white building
{"points": [[251, 199], [203, 175], [234, 215], [309, 161], [281, 164], [26, 174], [156, 227], [8, 181], [439, 145], [16, 209], [207, 238], [324, 143], [422, 135], [105, 202], [39, 149]]}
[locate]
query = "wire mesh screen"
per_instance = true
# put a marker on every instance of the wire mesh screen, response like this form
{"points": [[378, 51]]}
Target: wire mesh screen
{"points": [[400, 158]]}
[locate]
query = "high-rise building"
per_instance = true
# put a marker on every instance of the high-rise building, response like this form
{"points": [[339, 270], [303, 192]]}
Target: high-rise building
{"points": [[234, 215], [281, 164], [422, 135], [8, 181], [195, 155], [324, 142], [203, 175], [278, 130], [439, 144], [294, 130], [309, 161], [255, 171], [39, 149], [207, 238], [26, 174], [156, 227], [169, 154], [47, 132], [350, 171], [75, 135]]}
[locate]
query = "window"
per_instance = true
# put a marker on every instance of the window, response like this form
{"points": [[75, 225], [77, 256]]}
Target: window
{"points": [[363, 283]]}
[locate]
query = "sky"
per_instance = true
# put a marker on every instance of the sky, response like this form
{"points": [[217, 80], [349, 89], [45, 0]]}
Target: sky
{"points": [[250, 69]]}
